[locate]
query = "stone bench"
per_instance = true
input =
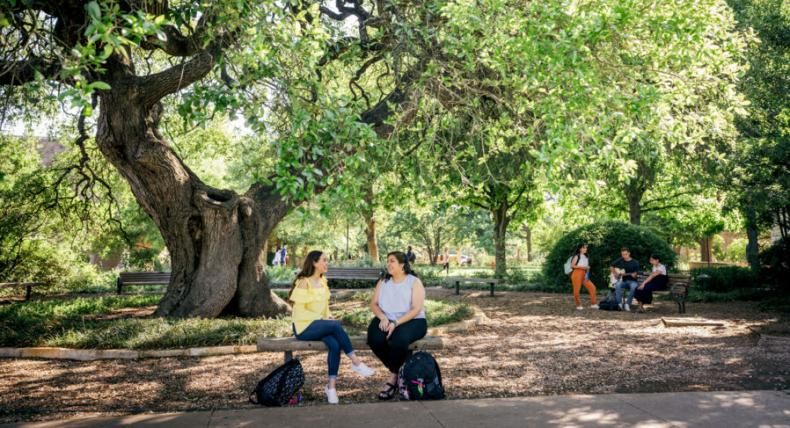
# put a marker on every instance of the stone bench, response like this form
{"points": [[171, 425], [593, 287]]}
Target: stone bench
{"points": [[288, 345], [458, 280]]}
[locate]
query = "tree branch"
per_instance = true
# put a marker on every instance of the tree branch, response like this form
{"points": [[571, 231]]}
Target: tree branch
{"points": [[15, 73], [175, 78]]}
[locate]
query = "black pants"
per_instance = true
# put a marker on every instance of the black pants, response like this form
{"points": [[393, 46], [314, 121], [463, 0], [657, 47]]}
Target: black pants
{"points": [[645, 295], [394, 351]]}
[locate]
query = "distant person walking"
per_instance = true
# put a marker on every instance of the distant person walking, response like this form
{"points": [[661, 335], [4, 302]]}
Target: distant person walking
{"points": [[580, 275], [276, 258], [410, 256]]}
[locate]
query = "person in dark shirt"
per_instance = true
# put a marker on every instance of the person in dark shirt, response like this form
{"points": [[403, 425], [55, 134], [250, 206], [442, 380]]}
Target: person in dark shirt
{"points": [[626, 270], [410, 256]]}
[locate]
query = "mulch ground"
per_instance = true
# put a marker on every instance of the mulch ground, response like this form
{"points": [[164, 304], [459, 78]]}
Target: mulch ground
{"points": [[534, 344]]}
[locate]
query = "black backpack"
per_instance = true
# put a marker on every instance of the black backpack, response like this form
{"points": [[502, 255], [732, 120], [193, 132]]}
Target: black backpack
{"points": [[279, 386], [420, 378], [609, 303]]}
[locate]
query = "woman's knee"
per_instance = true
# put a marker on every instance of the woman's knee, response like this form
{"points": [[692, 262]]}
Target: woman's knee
{"points": [[332, 344]]}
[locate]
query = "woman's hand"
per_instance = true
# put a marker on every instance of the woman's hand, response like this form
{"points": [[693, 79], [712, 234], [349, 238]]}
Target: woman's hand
{"points": [[641, 287], [390, 329], [384, 324]]}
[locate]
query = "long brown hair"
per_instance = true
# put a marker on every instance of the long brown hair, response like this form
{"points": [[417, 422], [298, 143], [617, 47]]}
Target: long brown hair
{"points": [[308, 268]]}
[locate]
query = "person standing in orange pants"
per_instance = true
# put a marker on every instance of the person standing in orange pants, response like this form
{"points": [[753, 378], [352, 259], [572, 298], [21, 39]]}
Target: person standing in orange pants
{"points": [[580, 275]]}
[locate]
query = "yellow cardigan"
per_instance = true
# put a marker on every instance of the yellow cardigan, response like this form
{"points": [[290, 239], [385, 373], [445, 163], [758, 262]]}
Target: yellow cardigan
{"points": [[309, 303]]}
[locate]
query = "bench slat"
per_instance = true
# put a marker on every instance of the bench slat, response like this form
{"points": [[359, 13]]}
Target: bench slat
{"points": [[457, 280], [21, 284], [353, 273]]}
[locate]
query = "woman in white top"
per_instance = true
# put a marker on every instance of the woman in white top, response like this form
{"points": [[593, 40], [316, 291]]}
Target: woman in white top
{"points": [[580, 275], [656, 281], [398, 306]]}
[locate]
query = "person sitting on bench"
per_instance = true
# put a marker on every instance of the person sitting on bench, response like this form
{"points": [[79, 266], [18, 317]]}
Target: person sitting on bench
{"points": [[398, 306], [312, 321], [656, 281], [626, 270]]}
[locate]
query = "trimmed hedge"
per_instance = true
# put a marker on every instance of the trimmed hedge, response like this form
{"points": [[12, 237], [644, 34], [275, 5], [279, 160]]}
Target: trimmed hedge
{"points": [[725, 279], [775, 265], [604, 241]]}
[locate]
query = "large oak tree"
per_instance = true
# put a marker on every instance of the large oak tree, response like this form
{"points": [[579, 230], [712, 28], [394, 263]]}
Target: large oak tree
{"points": [[279, 63]]}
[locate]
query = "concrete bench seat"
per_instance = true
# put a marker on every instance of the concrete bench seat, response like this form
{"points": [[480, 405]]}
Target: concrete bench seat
{"points": [[288, 345]]}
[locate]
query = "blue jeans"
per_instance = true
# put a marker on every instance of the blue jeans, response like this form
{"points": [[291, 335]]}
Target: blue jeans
{"points": [[332, 334], [618, 290]]}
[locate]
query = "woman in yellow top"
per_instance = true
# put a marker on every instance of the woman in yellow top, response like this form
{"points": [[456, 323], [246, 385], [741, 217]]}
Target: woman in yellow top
{"points": [[312, 321]]}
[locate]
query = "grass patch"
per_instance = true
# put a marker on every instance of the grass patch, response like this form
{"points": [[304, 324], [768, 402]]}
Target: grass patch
{"points": [[103, 322]]}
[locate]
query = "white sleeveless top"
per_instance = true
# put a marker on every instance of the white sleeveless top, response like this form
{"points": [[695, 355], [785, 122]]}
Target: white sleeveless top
{"points": [[583, 261], [395, 298]]}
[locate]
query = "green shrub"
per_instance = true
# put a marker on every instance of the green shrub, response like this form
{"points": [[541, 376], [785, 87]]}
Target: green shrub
{"points": [[724, 279], [775, 265], [736, 295], [604, 241]]}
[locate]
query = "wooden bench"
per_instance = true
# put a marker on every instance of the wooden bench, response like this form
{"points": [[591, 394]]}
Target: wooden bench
{"points": [[288, 345], [677, 288], [28, 286], [458, 280], [361, 274], [141, 278]]}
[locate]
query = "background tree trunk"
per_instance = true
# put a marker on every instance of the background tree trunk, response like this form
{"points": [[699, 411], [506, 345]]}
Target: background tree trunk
{"points": [[635, 209], [704, 249], [501, 221], [373, 246], [528, 237], [368, 212], [752, 246]]}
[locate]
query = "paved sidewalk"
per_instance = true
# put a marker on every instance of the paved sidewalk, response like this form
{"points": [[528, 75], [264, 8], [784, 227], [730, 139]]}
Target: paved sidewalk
{"points": [[687, 409]]}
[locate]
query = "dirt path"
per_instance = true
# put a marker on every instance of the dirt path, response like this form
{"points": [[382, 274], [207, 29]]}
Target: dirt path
{"points": [[535, 344]]}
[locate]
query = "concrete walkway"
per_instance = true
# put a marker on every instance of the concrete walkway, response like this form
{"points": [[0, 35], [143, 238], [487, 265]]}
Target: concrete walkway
{"points": [[687, 409]]}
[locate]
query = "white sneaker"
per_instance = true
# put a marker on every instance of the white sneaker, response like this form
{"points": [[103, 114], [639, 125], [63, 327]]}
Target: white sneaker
{"points": [[331, 395], [620, 305], [593, 306], [579, 308], [362, 369], [627, 308]]}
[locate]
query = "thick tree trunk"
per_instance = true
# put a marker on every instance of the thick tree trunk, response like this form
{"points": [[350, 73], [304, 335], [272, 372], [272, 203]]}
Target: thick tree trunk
{"points": [[501, 221], [216, 238]]}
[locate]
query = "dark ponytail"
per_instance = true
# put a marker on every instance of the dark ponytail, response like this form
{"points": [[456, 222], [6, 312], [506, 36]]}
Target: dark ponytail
{"points": [[400, 256], [308, 268]]}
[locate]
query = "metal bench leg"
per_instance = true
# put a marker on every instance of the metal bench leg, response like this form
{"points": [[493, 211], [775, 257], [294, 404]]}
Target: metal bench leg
{"points": [[28, 292], [119, 284], [289, 355], [457, 287], [492, 289]]}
